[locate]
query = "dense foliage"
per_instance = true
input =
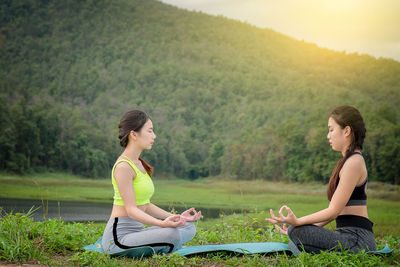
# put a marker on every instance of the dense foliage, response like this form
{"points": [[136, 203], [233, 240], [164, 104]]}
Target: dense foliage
{"points": [[225, 97]]}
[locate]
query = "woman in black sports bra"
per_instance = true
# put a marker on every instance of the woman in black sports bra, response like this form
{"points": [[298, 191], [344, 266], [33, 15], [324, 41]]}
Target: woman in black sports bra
{"points": [[346, 193]]}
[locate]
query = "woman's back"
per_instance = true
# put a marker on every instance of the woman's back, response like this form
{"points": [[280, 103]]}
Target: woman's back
{"points": [[355, 166]]}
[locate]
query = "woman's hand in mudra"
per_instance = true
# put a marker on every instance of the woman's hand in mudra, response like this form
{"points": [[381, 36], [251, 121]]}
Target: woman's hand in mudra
{"points": [[283, 230], [173, 221], [290, 218], [189, 217]]}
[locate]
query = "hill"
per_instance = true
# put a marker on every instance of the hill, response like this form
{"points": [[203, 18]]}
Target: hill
{"points": [[225, 97]]}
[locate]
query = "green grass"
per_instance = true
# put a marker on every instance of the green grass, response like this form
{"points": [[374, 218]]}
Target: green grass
{"points": [[55, 186], [57, 243], [383, 199], [54, 242]]}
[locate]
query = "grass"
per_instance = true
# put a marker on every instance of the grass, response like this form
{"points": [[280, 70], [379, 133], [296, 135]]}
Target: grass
{"points": [[54, 242], [383, 199]]}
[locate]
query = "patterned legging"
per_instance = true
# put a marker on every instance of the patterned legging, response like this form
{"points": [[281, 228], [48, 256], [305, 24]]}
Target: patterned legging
{"points": [[312, 238]]}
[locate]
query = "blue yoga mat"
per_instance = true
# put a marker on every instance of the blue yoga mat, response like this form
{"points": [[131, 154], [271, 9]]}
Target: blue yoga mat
{"points": [[242, 248], [132, 252], [252, 248]]}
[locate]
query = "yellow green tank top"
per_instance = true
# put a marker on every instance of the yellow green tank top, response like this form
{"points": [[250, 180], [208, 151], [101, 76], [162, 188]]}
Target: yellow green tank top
{"points": [[143, 186]]}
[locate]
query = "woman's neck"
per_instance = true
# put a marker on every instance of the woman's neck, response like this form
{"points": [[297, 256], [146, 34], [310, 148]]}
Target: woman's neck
{"points": [[355, 150], [132, 152]]}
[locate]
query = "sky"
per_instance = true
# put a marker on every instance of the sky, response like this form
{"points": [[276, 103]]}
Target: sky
{"points": [[363, 26]]}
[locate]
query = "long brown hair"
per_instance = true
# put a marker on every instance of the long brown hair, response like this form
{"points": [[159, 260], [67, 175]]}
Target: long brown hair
{"points": [[347, 116], [133, 120]]}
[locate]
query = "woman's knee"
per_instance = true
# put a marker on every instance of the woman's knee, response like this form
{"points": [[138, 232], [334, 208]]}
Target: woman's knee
{"points": [[300, 232], [170, 236], [190, 226], [188, 231], [293, 231], [290, 230]]}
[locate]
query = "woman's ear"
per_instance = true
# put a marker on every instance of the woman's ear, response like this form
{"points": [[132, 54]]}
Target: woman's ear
{"points": [[133, 135], [347, 131]]}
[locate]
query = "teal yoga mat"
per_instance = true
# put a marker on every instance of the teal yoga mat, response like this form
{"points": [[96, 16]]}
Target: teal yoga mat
{"points": [[242, 248], [131, 253], [252, 248]]}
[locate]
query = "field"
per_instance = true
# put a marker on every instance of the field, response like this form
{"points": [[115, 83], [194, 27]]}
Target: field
{"points": [[54, 242]]}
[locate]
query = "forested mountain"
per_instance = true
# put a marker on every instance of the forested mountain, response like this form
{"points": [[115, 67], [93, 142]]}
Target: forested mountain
{"points": [[225, 97]]}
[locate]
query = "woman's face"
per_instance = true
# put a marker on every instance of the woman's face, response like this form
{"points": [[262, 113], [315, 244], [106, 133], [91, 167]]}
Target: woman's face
{"points": [[337, 136], [145, 137]]}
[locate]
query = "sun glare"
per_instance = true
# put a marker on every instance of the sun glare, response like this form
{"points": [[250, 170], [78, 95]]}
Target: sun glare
{"points": [[366, 26], [340, 5]]}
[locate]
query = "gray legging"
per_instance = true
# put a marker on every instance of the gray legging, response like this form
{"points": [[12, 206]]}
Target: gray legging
{"points": [[312, 238], [123, 233]]}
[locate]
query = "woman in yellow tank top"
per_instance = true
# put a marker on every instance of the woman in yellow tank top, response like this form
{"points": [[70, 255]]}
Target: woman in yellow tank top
{"points": [[133, 189]]}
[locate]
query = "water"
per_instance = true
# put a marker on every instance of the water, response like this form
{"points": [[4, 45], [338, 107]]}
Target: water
{"points": [[71, 211]]}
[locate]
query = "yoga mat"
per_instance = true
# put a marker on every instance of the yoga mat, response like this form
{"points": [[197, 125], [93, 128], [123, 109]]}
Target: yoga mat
{"points": [[253, 248], [131, 253], [385, 250], [242, 248]]}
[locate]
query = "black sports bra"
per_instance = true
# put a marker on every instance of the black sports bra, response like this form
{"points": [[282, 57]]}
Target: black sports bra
{"points": [[359, 195]]}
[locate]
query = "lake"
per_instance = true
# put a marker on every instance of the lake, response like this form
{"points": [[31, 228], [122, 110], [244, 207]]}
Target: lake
{"points": [[71, 211]]}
